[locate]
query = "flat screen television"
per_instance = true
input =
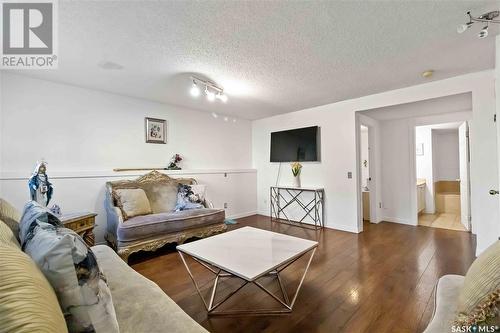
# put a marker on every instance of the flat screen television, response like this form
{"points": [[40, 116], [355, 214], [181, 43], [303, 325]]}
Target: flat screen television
{"points": [[297, 145]]}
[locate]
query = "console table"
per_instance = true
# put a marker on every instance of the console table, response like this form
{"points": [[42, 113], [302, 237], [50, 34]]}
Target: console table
{"points": [[312, 209]]}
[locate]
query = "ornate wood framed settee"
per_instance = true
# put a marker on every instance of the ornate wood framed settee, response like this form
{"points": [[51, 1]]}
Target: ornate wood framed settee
{"points": [[164, 225]]}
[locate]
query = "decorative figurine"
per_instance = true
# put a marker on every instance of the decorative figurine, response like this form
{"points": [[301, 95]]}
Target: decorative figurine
{"points": [[40, 187], [173, 162]]}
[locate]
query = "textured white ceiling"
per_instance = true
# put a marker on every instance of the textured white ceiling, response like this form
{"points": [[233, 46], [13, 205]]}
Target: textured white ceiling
{"points": [[271, 57]]}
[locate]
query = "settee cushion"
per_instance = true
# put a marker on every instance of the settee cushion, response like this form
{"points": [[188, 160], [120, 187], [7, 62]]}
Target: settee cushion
{"points": [[140, 305], [140, 227], [162, 195], [133, 202]]}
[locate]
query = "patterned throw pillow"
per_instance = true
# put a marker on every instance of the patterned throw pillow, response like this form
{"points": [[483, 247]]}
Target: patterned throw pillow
{"points": [[72, 270], [198, 193], [189, 199]]}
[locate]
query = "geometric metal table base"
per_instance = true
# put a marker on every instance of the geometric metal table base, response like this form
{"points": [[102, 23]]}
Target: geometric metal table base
{"points": [[312, 210], [287, 304]]}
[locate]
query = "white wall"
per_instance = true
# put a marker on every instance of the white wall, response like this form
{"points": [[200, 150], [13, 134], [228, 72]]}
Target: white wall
{"points": [[397, 181], [447, 162], [423, 135], [339, 147], [84, 134]]}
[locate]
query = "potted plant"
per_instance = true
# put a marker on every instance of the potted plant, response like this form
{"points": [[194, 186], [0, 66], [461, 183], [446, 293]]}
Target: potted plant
{"points": [[296, 167]]}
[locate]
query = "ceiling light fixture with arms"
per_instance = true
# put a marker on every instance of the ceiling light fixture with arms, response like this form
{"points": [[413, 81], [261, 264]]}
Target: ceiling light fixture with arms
{"points": [[212, 91], [487, 18]]}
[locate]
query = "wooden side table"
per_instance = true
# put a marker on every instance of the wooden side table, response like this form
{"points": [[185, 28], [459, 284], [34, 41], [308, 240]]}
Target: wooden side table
{"points": [[83, 224]]}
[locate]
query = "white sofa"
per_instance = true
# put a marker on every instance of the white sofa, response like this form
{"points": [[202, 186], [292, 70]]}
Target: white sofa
{"points": [[140, 304], [446, 297]]}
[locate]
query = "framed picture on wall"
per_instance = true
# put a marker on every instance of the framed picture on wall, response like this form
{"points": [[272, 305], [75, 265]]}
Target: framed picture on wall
{"points": [[156, 130]]}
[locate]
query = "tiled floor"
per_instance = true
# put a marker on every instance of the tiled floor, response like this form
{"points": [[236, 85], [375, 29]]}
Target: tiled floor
{"points": [[441, 220]]}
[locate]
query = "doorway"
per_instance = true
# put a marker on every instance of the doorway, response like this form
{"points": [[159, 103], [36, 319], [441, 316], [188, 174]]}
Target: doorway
{"points": [[442, 161], [365, 171]]}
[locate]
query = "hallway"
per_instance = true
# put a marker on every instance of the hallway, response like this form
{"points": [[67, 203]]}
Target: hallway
{"points": [[441, 220]]}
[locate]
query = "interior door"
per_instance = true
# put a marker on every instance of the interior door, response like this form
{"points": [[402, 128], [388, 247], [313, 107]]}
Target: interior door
{"points": [[464, 152]]}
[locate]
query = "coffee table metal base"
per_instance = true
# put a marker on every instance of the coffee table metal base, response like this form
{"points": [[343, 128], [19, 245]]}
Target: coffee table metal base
{"points": [[211, 306]]}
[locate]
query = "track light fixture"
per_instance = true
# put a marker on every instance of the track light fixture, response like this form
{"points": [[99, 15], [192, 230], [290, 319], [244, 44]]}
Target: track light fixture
{"points": [[195, 90], [212, 91], [483, 33], [487, 18]]}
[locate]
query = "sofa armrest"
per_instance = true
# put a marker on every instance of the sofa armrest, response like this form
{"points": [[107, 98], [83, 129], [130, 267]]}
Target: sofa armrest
{"points": [[113, 213], [445, 304]]}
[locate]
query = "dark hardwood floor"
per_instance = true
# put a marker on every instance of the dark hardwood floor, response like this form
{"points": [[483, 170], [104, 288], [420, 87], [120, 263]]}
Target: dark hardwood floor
{"points": [[381, 280]]}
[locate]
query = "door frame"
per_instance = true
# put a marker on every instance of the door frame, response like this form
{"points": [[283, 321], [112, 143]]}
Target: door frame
{"points": [[427, 121], [373, 170]]}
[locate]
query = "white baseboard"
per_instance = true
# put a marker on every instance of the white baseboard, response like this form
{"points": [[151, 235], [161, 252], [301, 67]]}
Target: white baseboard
{"points": [[397, 220], [341, 227], [241, 215]]}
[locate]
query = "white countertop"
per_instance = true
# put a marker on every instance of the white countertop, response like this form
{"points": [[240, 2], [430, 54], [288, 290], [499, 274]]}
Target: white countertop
{"points": [[248, 252]]}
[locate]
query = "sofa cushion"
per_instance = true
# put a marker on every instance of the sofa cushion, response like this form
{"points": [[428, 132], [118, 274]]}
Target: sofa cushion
{"points": [[162, 195], [10, 215], [145, 226], [27, 302], [447, 290], [141, 306], [72, 270], [482, 282], [7, 237], [132, 202]]}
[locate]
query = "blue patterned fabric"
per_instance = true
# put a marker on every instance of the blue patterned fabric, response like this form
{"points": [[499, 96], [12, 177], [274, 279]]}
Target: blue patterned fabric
{"points": [[186, 199], [71, 268]]}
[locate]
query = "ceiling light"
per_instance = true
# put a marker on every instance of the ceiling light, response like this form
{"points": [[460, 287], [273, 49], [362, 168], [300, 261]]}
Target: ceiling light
{"points": [[487, 18], [226, 118], [483, 33], [463, 27], [210, 95], [195, 91], [222, 97], [212, 91], [215, 115]]}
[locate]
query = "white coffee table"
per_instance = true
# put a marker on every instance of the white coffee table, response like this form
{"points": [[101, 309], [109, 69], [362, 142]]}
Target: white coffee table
{"points": [[249, 254]]}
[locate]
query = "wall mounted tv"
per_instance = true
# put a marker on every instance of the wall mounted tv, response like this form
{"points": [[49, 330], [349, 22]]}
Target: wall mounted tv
{"points": [[296, 145]]}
